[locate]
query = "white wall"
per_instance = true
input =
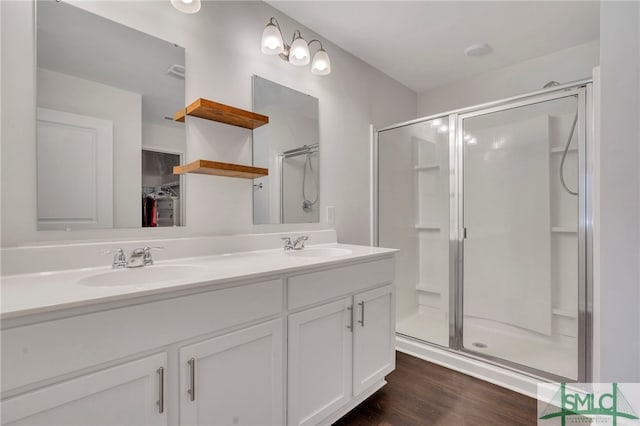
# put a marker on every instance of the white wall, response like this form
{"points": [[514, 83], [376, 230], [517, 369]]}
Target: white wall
{"points": [[619, 274], [564, 66], [67, 93], [222, 45]]}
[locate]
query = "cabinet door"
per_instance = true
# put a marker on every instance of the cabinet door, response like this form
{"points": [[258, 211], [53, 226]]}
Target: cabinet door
{"points": [[319, 361], [128, 394], [374, 337], [234, 379]]}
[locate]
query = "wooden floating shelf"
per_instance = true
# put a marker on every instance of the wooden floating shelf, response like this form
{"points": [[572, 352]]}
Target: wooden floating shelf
{"points": [[215, 168], [209, 110]]}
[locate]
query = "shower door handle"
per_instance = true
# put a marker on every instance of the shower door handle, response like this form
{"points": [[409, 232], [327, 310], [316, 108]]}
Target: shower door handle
{"points": [[464, 233]]}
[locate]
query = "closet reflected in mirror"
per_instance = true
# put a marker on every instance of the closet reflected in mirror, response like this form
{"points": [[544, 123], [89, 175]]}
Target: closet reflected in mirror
{"points": [[160, 189], [290, 148], [105, 105]]}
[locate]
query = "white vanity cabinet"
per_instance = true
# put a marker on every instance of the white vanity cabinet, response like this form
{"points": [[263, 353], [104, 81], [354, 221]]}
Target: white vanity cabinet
{"points": [[373, 337], [320, 354], [100, 368], [342, 350], [234, 379], [131, 393], [300, 346]]}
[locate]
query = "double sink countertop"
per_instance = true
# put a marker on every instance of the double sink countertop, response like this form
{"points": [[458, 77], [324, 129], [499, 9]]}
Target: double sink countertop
{"points": [[47, 292]]}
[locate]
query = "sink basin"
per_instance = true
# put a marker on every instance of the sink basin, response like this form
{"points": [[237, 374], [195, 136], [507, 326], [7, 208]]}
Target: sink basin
{"points": [[318, 252], [140, 276]]}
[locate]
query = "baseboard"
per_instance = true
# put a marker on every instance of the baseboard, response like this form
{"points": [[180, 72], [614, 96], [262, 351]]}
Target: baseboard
{"points": [[505, 378]]}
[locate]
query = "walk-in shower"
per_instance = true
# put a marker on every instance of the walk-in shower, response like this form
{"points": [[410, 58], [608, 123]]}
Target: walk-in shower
{"points": [[489, 208], [299, 184]]}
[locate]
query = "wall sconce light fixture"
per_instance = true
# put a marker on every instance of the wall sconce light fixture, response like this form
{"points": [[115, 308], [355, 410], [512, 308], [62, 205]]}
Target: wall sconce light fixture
{"points": [[187, 6], [297, 53]]}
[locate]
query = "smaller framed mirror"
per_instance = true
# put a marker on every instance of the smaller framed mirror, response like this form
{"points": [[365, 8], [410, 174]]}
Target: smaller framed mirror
{"points": [[290, 148]]}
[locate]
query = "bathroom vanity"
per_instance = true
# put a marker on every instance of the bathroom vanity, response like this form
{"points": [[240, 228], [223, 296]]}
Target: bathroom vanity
{"points": [[266, 337]]}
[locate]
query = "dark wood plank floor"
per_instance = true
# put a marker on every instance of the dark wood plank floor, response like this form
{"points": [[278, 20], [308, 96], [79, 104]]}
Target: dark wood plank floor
{"points": [[422, 393]]}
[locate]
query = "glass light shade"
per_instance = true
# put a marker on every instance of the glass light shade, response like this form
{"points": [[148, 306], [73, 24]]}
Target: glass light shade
{"points": [[187, 6], [321, 64], [299, 52], [272, 43]]}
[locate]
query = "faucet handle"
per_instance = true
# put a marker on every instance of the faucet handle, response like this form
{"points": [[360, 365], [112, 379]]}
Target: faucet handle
{"points": [[119, 259], [287, 243], [148, 260], [299, 242], [148, 249]]}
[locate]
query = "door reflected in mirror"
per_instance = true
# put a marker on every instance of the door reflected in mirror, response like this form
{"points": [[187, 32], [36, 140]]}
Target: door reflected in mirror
{"points": [[289, 147], [106, 94]]}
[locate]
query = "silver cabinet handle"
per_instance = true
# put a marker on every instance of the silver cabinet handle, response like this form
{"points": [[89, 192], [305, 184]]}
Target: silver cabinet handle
{"points": [[361, 321], [350, 309], [192, 379], [160, 401]]}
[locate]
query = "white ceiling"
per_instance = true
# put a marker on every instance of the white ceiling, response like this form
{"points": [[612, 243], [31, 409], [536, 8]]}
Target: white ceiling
{"points": [[421, 43]]}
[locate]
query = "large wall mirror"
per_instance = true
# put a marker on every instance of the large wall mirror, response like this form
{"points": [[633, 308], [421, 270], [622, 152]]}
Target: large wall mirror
{"points": [[289, 148], [106, 140]]}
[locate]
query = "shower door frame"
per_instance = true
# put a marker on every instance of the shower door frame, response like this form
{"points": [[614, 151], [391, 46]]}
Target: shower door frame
{"points": [[457, 320], [583, 91]]}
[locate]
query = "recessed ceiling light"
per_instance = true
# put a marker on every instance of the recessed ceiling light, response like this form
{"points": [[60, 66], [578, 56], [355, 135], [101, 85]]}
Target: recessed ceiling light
{"points": [[479, 49]]}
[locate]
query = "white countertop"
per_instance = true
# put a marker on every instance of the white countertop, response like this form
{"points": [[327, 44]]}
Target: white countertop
{"points": [[43, 292]]}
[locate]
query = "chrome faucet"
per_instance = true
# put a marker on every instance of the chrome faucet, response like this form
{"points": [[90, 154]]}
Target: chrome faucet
{"points": [[141, 257], [297, 244], [119, 259]]}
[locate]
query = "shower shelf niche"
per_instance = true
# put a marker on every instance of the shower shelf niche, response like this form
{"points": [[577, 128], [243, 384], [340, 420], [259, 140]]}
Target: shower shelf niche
{"points": [[560, 149], [424, 227], [426, 167], [564, 229], [428, 288], [564, 312]]}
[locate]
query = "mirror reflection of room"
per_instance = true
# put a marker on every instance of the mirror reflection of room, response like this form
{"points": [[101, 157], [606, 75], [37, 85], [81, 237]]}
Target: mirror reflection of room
{"points": [[289, 146], [102, 99], [160, 189]]}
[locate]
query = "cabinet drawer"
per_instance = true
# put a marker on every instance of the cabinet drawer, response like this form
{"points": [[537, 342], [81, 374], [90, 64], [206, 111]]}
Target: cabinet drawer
{"points": [[45, 350], [316, 287]]}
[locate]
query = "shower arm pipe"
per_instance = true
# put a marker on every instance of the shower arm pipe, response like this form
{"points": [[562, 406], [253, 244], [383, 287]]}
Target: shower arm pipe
{"points": [[560, 88]]}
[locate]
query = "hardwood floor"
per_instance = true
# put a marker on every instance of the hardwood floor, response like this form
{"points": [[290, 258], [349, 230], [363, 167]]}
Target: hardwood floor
{"points": [[421, 393]]}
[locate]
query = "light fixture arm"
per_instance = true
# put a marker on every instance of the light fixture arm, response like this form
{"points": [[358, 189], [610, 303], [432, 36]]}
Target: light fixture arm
{"points": [[317, 41], [274, 21]]}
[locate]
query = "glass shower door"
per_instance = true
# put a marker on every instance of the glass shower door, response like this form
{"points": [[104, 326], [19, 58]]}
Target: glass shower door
{"points": [[413, 216], [520, 216]]}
